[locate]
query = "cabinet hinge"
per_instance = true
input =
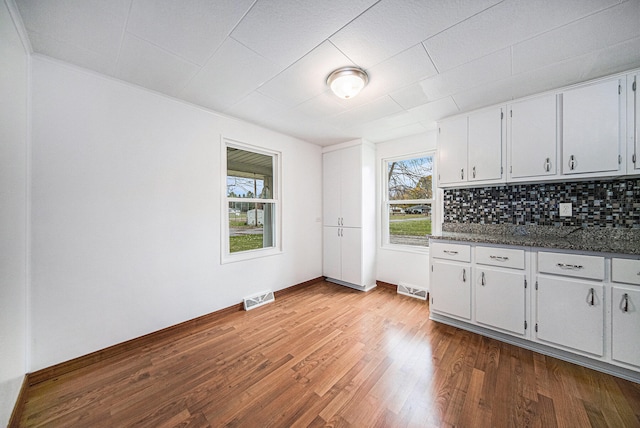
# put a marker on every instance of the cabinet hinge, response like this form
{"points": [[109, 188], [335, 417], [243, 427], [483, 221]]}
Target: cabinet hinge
{"points": [[525, 325], [536, 327], [633, 158], [501, 115], [619, 89], [439, 130], [619, 159], [633, 87], [511, 113], [501, 170], [536, 285], [431, 268], [525, 283]]}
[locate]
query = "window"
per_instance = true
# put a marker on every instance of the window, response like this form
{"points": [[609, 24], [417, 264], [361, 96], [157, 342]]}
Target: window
{"points": [[251, 202], [408, 200]]}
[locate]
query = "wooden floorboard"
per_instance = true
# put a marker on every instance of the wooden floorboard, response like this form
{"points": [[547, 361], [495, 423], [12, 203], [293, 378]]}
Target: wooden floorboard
{"points": [[327, 355]]}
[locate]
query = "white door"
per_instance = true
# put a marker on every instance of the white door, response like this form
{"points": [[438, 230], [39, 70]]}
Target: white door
{"points": [[625, 311], [351, 187], [450, 288], [485, 145], [351, 241], [571, 313], [591, 131], [331, 253], [532, 137], [500, 299], [331, 167], [452, 151]]}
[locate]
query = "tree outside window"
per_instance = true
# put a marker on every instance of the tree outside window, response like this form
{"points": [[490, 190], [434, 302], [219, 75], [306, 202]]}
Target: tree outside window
{"points": [[408, 201]]}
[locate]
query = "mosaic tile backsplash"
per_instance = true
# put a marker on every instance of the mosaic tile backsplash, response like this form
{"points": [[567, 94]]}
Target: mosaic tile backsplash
{"points": [[614, 204]]}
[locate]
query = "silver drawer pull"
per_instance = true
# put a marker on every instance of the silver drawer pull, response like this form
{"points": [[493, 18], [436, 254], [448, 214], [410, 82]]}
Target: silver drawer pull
{"points": [[453, 253], [499, 258], [625, 303], [566, 266]]}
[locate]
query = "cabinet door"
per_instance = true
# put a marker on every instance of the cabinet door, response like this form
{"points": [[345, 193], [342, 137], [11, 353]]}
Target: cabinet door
{"points": [[351, 243], [625, 312], [571, 313], [633, 124], [452, 151], [450, 288], [485, 145], [500, 299], [591, 128], [351, 187], [532, 137], [331, 189], [331, 252]]}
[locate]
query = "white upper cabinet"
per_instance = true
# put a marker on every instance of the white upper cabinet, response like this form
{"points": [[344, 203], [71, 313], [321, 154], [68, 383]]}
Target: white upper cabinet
{"points": [[531, 127], [452, 151], [471, 149], [342, 183], [633, 124], [592, 128]]}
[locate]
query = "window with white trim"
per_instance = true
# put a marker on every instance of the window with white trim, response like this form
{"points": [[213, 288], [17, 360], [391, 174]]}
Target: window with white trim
{"points": [[408, 200], [251, 202]]}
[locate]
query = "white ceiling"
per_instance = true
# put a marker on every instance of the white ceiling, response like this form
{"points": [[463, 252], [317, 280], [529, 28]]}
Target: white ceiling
{"points": [[266, 61]]}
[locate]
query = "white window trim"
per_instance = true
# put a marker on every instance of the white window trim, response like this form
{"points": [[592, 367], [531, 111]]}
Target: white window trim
{"points": [[385, 203], [225, 255]]}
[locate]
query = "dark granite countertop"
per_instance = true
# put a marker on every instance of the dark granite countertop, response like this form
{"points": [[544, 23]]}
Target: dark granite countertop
{"points": [[602, 240]]}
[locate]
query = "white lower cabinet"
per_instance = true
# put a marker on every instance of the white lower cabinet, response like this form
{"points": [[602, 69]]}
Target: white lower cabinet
{"points": [[342, 256], [501, 299], [570, 313], [451, 288], [625, 311]]}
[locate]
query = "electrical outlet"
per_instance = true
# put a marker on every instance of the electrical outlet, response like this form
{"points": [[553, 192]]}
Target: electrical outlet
{"points": [[565, 209]]}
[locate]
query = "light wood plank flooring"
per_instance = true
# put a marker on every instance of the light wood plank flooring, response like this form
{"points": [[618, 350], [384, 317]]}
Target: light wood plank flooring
{"points": [[330, 356]]}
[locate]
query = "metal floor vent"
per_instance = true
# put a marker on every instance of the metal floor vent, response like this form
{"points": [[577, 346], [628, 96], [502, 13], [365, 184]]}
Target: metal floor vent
{"points": [[418, 293], [258, 300]]}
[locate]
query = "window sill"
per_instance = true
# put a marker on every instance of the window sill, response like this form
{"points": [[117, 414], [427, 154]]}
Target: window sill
{"points": [[249, 255]]}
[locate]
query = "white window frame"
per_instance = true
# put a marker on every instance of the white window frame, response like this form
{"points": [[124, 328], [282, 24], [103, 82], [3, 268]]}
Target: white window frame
{"points": [[387, 203], [276, 200]]}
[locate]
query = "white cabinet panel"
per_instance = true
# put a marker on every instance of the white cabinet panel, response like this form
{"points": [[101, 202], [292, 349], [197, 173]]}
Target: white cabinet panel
{"points": [[351, 254], [575, 265], [625, 270], [331, 183], [633, 123], [456, 252], [485, 145], [450, 288], [331, 252], [351, 187], [504, 257], [625, 312], [500, 299], [532, 137], [570, 313], [591, 132], [452, 150]]}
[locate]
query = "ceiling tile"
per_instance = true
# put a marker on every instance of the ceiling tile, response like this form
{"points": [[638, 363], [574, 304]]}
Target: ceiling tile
{"points": [[230, 75], [503, 25], [403, 69], [478, 72], [410, 96], [137, 57], [256, 108], [435, 110], [580, 37], [286, 30], [381, 107], [405, 24], [324, 105], [90, 25], [614, 59], [191, 29], [386, 134], [307, 77]]}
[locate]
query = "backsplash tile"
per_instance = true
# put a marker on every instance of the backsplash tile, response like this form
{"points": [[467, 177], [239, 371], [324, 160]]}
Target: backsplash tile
{"points": [[614, 204]]}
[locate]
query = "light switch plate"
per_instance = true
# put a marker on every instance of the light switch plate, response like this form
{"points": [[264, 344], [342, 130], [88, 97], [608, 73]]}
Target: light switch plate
{"points": [[565, 209]]}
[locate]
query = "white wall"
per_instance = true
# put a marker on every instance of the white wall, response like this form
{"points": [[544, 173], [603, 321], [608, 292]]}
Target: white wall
{"points": [[126, 213], [395, 265], [14, 71]]}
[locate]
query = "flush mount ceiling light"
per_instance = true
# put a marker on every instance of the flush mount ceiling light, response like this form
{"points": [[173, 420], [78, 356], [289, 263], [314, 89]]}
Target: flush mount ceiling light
{"points": [[347, 82]]}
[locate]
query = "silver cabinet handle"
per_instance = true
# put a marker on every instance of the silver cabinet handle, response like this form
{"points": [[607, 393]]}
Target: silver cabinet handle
{"points": [[547, 164], [499, 258], [592, 297], [572, 162], [625, 303], [451, 252], [570, 267], [482, 280], [461, 173], [474, 172], [464, 275]]}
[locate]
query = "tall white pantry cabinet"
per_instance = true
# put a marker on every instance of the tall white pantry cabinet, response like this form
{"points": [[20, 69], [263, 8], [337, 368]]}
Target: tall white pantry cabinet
{"points": [[348, 214]]}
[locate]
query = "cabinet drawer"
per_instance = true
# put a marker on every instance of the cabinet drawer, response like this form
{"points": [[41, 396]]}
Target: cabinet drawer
{"points": [[625, 270], [504, 257], [459, 252], [579, 266]]}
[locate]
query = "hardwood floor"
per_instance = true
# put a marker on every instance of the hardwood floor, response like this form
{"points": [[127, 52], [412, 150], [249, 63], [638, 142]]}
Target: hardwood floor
{"points": [[330, 356]]}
